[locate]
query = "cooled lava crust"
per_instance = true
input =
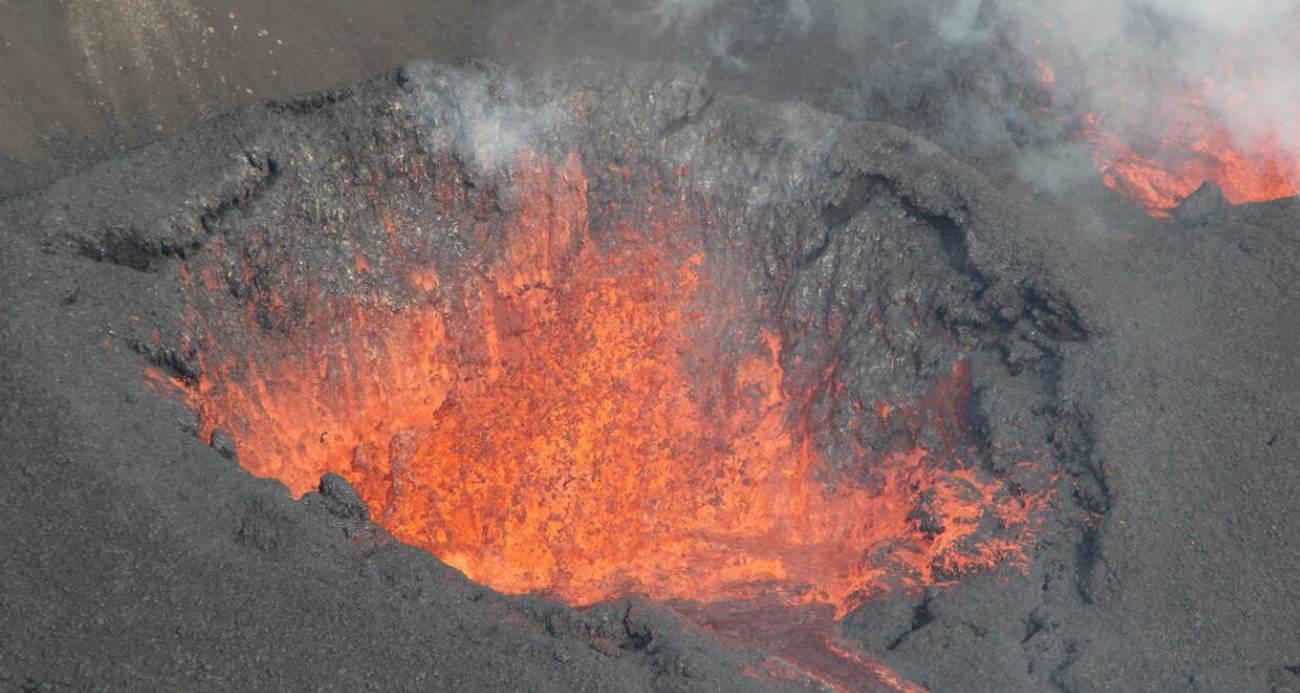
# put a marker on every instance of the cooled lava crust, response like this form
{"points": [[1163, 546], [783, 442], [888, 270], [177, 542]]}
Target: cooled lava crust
{"points": [[594, 335]]}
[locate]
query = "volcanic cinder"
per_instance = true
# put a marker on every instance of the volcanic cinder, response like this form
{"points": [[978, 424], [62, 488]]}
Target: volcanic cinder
{"points": [[588, 377]]}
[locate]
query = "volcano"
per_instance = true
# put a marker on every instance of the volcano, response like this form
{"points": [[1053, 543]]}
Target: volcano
{"points": [[586, 376]]}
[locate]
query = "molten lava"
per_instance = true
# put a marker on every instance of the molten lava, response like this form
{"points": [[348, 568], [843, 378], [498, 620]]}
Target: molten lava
{"points": [[1231, 126], [1194, 147], [590, 415]]}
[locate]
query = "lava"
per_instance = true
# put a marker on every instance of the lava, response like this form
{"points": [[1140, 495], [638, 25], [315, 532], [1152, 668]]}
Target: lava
{"points": [[593, 415], [1230, 126], [1198, 150]]}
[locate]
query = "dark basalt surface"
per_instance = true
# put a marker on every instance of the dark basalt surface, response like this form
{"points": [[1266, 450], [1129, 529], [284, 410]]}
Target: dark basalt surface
{"points": [[1151, 363]]}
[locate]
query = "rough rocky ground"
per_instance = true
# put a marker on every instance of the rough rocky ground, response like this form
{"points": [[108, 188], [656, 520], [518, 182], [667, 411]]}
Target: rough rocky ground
{"points": [[138, 556]]}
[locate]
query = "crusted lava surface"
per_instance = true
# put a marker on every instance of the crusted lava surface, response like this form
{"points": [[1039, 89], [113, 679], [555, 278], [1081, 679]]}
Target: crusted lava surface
{"points": [[589, 377]]}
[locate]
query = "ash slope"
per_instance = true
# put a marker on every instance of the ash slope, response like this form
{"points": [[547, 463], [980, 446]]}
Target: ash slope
{"points": [[1194, 384], [141, 556]]}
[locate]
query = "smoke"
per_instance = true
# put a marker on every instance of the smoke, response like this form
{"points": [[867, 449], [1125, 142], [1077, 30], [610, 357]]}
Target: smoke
{"points": [[1131, 58], [1006, 84], [485, 119], [1172, 78], [959, 23]]}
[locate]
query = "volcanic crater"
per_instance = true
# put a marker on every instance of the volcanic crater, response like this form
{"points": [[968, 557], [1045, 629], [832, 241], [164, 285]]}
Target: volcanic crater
{"points": [[589, 370], [593, 337]]}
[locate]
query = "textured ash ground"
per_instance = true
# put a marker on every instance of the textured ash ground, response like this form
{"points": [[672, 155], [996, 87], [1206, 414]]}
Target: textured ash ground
{"points": [[135, 556]]}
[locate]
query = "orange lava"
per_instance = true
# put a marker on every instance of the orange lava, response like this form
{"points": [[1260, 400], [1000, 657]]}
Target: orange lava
{"points": [[1231, 126], [1188, 156], [594, 416]]}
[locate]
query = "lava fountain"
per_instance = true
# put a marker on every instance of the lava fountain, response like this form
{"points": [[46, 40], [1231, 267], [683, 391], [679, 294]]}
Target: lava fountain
{"points": [[579, 377], [594, 417]]}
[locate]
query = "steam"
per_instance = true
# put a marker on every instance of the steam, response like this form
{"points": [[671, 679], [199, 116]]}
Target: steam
{"points": [[1136, 65], [486, 121], [969, 74], [1238, 59]]}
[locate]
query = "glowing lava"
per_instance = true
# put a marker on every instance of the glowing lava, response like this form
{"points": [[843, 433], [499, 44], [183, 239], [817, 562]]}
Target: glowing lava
{"points": [[1173, 128], [592, 416], [1195, 148]]}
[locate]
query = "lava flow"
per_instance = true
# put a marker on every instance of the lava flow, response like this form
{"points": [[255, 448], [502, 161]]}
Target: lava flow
{"points": [[1194, 149], [592, 416], [1230, 125]]}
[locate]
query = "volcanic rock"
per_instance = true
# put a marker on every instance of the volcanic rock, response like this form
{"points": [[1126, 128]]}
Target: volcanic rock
{"points": [[341, 499], [1202, 205], [224, 444]]}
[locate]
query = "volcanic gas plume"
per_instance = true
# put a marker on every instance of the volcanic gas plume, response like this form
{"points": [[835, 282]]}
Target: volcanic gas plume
{"points": [[590, 416], [1180, 96]]}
